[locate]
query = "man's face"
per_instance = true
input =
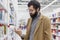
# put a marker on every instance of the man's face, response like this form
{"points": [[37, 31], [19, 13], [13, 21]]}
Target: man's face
{"points": [[31, 10]]}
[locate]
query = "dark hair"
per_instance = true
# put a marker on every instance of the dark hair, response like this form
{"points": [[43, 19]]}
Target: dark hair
{"points": [[35, 4]]}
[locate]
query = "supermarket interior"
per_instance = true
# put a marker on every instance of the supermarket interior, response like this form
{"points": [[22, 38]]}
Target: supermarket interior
{"points": [[15, 14]]}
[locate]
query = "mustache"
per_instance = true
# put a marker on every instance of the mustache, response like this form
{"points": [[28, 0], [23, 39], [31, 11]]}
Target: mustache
{"points": [[33, 15]]}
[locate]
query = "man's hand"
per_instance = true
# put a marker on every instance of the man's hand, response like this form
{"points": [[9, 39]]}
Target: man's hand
{"points": [[18, 31]]}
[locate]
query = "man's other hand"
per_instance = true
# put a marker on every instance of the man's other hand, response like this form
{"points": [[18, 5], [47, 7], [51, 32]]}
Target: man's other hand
{"points": [[18, 31]]}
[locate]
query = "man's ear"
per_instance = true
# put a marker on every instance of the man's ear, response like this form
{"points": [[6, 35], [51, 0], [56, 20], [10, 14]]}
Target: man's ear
{"points": [[37, 9]]}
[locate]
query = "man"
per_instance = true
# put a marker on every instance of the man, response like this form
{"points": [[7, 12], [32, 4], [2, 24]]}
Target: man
{"points": [[38, 26]]}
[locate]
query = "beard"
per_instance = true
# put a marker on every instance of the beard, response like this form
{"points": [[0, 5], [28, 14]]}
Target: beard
{"points": [[33, 15]]}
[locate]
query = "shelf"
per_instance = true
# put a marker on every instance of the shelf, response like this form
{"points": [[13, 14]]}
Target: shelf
{"points": [[53, 28], [55, 23], [54, 34], [2, 22], [54, 17]]}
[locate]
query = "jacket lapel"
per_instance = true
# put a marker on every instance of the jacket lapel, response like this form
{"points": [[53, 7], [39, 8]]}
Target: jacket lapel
{"points": [[38, 23], [29, 24]]}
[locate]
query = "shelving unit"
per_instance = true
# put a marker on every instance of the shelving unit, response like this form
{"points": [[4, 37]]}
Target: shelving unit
{"points": [[7, 17], [55, 26], [3, 21]]}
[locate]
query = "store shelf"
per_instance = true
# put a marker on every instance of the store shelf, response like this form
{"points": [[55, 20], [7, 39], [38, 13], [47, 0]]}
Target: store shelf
{"points": [[55, 23], [2, 22], [54, 34], [54, 17], [54, 28]]}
